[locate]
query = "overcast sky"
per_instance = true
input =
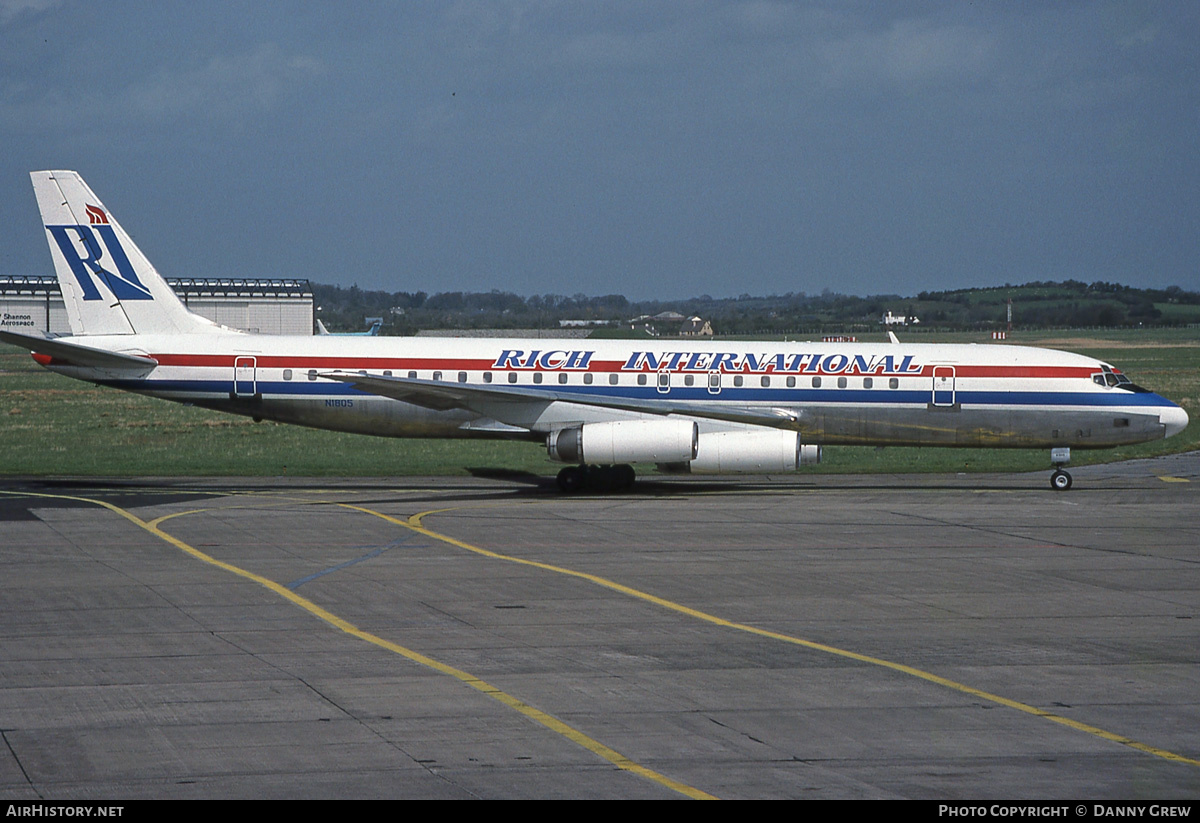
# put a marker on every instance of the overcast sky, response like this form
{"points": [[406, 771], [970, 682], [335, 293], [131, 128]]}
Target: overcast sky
{"points": [[659, 150]]}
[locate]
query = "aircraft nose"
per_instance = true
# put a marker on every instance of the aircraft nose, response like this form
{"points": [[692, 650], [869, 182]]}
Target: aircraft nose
{"points": [[1174, 418]]}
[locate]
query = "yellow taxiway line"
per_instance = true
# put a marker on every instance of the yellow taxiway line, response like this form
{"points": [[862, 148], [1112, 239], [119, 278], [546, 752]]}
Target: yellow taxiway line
{"points": [[415, 523], [554, 724]]}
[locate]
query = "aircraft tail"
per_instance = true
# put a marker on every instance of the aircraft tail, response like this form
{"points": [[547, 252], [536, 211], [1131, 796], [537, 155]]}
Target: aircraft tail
{"points": [[108, 285]]}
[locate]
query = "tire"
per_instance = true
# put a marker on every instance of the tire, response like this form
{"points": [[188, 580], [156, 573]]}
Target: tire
{"points": [[571, 479], [1060, 481]]}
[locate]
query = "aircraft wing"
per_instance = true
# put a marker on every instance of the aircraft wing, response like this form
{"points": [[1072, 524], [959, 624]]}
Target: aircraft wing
{"points": [[491, 401], [76, 354]]}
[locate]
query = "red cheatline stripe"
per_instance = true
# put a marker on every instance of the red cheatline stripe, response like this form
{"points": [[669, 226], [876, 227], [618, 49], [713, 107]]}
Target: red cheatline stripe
{"points": [[426, 364]]}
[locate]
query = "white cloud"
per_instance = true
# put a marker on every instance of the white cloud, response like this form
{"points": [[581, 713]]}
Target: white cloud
{"points": [[224, 84], [12, 9], [221, 87], [907, 54]]}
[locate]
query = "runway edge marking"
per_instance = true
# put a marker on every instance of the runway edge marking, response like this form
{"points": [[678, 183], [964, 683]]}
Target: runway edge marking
{"points": [[550, 722], [414, 523]]}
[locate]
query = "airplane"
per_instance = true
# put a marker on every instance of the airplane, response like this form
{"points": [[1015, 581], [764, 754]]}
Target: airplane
{"points": [[597, 406], [373, 331]]}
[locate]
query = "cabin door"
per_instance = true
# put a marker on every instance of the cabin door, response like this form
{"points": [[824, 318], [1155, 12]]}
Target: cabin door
{"points": [[943, 385], [245, 383]]}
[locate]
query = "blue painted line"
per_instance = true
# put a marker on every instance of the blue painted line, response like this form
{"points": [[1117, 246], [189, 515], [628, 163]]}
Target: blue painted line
{"points": [[295, 584]]}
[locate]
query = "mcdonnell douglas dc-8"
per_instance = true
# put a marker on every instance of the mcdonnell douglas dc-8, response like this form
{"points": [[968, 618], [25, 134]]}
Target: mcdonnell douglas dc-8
{"points": [[598, 406]]}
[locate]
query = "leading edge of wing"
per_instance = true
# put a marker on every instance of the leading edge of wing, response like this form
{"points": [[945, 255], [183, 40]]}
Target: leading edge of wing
{"points": [[443, 396], [75, 354]]}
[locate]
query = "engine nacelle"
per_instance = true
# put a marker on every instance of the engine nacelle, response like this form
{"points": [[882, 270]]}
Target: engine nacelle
{"points": [[625, 441], [745, 452]]}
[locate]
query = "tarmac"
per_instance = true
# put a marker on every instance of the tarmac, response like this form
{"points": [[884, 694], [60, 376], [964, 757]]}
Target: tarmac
{"points": [[919, 636]]}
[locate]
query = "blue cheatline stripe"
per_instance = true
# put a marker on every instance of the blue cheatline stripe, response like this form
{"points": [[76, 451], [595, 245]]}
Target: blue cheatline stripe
{"points": [[740, 396]]}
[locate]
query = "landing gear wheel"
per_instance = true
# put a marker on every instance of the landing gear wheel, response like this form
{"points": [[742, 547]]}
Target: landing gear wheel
{"points": [[1060, 481], [574, 479], [571, 479]]}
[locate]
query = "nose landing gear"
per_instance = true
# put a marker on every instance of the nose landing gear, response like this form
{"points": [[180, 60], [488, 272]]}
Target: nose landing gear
{"points": [[1060, 481]]}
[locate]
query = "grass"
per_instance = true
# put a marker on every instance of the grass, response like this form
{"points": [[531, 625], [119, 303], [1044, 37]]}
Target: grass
{"points": [[52, 425]]}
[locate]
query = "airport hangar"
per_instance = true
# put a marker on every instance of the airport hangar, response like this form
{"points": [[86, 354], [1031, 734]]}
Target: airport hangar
{"points": [[34, 303]]}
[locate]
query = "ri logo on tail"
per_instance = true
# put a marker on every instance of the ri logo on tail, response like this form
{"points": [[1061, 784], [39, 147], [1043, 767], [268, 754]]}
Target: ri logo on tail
{"points": [[108, 285]]}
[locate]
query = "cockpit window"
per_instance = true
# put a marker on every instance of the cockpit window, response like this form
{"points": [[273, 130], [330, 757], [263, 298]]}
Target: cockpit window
{"points": [[1114, 379]]}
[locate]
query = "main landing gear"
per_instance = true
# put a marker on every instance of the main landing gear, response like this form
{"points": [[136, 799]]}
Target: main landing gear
{"points": [[574, 479], [1060, 481]]}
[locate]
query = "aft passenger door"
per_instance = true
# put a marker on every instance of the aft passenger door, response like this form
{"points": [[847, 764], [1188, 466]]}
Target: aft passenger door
{"points": [[245, 377]]}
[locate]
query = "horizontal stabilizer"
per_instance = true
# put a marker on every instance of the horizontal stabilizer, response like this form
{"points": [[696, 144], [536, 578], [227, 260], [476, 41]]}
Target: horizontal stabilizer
{"points": [[77, 355]]}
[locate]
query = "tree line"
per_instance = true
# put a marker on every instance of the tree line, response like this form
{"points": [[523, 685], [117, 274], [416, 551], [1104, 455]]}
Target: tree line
{"points": [[1035, 304]]}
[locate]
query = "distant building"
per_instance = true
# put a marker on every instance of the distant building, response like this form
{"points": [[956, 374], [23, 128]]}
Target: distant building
{"points": [[34, 303], [890, 319], [561, 333], [583, 324], [696, 327]]}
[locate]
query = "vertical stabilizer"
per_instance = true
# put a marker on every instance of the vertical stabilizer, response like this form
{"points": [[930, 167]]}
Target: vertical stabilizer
{"points": [[108, 285]]}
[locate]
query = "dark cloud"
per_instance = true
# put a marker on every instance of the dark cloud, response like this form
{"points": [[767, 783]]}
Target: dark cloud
{"points": [[654, 149]]}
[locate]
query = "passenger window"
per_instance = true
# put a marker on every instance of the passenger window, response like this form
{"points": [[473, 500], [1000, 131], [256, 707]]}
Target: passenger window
{"points": [[737, 380], [791, 382], [487, 377], [437, 375], [387, 373], [412, 375], [689, 380], [816, 382], [894, 383], [612, 379], [766, 381], [641, 379], [462, 377], [537, 377], [512, 377], [841, 382], [312, 374], [868, 382], [287, 374], [587, 379], [562, 377]]}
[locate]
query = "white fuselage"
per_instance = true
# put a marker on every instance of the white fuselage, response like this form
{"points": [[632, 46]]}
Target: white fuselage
{"points": [[832, 393]]}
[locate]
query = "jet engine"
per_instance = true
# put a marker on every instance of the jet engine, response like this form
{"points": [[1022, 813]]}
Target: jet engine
{"points": [[625, 441], [749, 452]]}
